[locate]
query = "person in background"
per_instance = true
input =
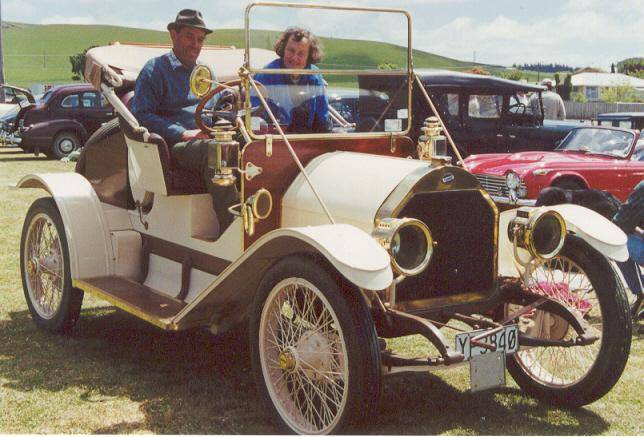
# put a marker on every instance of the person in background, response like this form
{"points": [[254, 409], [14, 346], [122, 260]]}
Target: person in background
{"points": [[164, 104], [553, 106], [630, 218], [297, 100]]}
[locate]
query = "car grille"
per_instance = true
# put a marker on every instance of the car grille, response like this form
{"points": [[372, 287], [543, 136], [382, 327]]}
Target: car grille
{"points": [[463, 225], [495, 185]]}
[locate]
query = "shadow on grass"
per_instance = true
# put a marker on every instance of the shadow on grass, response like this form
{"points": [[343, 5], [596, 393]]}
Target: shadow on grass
{"points": [[195, 383], [25, 158]]}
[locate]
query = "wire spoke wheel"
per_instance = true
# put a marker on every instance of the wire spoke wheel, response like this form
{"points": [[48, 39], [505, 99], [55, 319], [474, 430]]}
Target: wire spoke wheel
{"points": [[303, 356], [564, 281], [316, 356], [45, 266], [584, 281]]}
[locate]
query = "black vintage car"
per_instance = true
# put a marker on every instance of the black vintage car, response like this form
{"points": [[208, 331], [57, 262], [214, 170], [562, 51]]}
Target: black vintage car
{"points": [[626, 120], [484, 114]]}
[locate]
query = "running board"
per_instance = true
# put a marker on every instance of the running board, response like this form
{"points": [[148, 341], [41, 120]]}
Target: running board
{"points": [[134, 298]]}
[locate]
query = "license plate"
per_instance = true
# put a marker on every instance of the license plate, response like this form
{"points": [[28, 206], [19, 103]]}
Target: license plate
{"points": [[506, 340]]}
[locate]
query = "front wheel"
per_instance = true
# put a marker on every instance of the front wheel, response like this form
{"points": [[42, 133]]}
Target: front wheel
{"points": [[44, 266], [584, 281], [315, 351]]}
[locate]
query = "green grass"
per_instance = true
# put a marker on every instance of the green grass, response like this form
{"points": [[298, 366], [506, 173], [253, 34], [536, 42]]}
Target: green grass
{"points": [[116, 374], [40, 53]]}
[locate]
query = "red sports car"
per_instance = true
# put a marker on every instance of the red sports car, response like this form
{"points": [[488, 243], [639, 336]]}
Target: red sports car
{"points": [[610, 159]]}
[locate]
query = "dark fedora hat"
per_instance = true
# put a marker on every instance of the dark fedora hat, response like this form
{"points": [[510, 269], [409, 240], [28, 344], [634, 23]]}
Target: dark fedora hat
{"points": [[191, 18]]}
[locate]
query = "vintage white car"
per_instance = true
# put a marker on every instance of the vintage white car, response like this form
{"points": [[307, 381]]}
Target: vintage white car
{"points": [[340, 242]]}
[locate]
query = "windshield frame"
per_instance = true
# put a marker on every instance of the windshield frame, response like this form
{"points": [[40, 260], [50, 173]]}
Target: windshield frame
{"points": [[406, 72]]}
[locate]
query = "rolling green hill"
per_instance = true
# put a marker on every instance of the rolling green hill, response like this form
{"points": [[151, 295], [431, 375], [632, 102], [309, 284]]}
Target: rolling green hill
{"points": [[40, 53]]}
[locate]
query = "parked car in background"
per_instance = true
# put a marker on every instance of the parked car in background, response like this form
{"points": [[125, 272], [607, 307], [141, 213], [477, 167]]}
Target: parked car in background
{"points": [[609, 159], [484, 114], [626, 120], [63, 120], [12, 96]]}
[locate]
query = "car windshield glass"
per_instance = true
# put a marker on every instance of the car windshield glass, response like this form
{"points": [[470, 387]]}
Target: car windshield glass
{"points": [[315, 70], [600, 141], [485, 106]]}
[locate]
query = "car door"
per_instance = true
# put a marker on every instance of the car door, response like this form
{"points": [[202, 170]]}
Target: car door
{"points": [[482, 131], [67, 107], [95, 109]]}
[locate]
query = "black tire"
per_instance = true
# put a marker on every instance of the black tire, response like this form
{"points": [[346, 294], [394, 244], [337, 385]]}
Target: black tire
{"points": [[106, 130], [355, 356], [43, 277], [64, 143], [603, 301], [568, 184]]}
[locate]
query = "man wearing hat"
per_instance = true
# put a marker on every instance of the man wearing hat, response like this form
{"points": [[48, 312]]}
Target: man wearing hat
{"points": [[164, 104], [553, 105]]}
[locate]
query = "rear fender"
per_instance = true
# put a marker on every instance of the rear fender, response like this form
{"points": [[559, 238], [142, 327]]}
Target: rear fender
{"points": [[599, 232], [85, 223], [350, 252]]}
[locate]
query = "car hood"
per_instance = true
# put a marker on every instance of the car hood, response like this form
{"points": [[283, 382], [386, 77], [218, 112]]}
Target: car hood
{"points": [[352, 185], [500, 163]]}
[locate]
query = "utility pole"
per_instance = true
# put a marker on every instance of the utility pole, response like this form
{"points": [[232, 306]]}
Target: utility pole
{"points": [[2, 81]]}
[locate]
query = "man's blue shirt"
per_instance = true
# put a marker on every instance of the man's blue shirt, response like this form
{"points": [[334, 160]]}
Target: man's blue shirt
{"points": [[163, 102], [281, 100]]}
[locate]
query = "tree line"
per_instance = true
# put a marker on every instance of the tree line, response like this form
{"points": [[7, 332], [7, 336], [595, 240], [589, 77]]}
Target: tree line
{"points": [[544, 68]]}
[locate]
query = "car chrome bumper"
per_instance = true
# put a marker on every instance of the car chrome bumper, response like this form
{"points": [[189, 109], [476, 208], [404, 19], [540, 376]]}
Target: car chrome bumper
{"points": [[517, 203]]}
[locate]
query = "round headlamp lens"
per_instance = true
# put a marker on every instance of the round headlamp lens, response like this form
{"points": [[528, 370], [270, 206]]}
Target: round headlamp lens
{"points": [[409, 247], [548, 235]]}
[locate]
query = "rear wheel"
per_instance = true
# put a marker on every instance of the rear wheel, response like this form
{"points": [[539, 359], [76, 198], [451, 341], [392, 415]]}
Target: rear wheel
{"points": [[315, 351], [64, 143], [582, 279], [44, 265]]}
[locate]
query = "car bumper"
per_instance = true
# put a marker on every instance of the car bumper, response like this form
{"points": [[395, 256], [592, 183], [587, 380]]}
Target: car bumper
{"points": [[516, 203]]}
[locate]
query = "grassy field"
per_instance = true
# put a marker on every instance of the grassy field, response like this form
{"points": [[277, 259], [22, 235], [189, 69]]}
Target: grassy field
{"points": [[40, 53], [115, 374]]}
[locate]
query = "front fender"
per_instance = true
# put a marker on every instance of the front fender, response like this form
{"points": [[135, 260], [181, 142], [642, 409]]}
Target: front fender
{"points": [[595, 229], [85, 224], [353, 253], [602, 234], [563, 174], [50, 128]]}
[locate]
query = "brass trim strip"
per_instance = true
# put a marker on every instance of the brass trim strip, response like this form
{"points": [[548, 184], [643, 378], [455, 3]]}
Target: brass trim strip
{"points": [[409, 69], [165, 324], [442, 301], [330, 71]]}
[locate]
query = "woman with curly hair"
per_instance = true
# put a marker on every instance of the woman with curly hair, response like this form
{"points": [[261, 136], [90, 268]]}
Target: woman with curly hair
{"points": [[297, 100]]}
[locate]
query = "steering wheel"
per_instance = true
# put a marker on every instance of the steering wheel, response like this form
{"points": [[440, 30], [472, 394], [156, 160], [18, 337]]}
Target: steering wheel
{"points": [[230, 111], [520, 108]]}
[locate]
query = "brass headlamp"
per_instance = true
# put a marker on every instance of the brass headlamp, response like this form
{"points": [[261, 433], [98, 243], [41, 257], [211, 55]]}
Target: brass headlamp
{"points": [[408, 241], [540, 232]]}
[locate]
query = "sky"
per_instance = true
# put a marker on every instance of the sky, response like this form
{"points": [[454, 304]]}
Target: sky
{"points": [[578, 33]]}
